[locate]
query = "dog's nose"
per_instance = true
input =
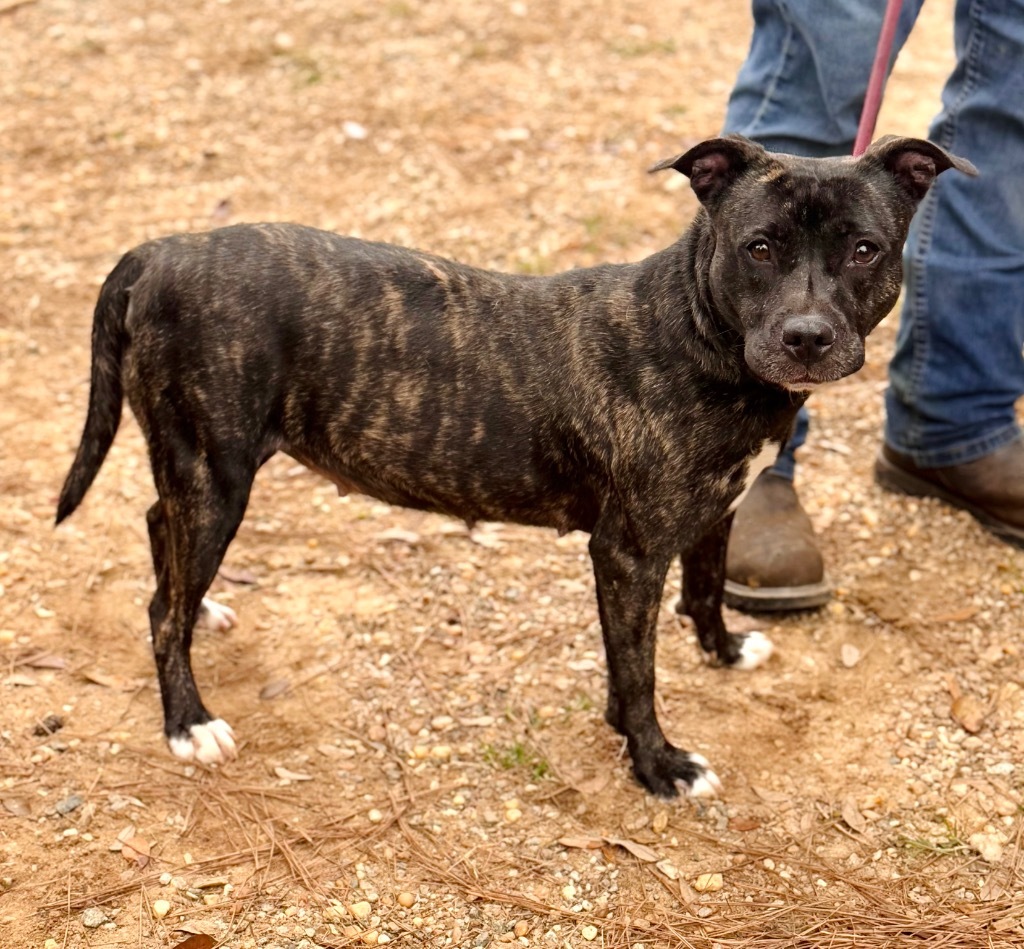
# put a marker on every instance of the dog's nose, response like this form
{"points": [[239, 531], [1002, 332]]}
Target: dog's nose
{"points": [[807, 338]]}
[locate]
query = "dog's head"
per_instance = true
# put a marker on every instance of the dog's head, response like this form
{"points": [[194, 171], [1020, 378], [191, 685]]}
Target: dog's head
{"points": [[807, 252]]}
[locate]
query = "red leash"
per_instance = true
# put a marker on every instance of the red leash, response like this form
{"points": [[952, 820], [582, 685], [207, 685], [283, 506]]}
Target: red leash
{"points": [[873, 99]]}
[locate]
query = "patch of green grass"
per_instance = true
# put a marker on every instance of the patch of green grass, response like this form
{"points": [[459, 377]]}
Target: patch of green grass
{"points": [[581, 702], [517, 755], [308, 68], [947, 845]]}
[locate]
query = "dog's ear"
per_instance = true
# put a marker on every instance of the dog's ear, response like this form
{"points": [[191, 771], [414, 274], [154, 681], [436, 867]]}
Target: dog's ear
{"points": [[715, 164], [915, 163]]}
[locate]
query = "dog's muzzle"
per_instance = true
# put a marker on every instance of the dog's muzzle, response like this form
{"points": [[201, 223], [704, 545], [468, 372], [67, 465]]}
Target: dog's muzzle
{"points": [[807, 339]]}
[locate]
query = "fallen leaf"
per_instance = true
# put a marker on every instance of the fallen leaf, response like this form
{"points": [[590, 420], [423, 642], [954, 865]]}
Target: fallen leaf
{"points": [[991, 890], [116, 682], [403, 536], [197, 941], [17, 807], [24, 681], [583, 843], [211, 883], [957, 616], [743, 824], [238, 575], [852, 815], [42, 660], [771, 797], [136, 850], [287, 775], [592, 786], [274, 689], [640, 851]]}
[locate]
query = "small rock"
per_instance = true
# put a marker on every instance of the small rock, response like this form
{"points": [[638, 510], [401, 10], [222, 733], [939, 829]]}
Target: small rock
{"points": [[48, 726], [970, 712], [375, 816], [361, 910], [668, 868], [335, 913], [71, 803], [406, 899], [161, 908], [354, 130], [589, 933], [989, 846], [513, 814], [93, 917], [522, 928], [849, 655], [708, 883]]}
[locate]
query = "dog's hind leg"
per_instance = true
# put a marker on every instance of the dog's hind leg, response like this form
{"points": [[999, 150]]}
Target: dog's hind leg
{"points": [[212, 615], [629, 589], [703, 583], [190, 528]]}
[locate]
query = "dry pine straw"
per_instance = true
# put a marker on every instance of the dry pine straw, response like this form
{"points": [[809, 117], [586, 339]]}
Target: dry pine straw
{"points": [[279, 855]]}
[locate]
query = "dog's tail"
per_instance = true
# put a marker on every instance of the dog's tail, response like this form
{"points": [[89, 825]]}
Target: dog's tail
{"points": [[106, 392]]}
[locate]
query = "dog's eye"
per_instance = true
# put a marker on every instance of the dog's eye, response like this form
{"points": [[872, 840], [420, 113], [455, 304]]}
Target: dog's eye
{"points": [[759, 250], [865, 252]]}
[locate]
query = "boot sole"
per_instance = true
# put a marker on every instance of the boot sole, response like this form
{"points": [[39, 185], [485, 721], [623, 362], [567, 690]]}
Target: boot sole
{"points": [[809, 596], [898, 481]]}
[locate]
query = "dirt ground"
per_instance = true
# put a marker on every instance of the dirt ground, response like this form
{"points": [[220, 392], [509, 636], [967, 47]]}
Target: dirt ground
{"points": [[424, 759]]}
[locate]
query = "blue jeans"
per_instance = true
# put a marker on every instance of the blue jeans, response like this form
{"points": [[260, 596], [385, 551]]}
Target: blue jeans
{"points": [[958, 366]]}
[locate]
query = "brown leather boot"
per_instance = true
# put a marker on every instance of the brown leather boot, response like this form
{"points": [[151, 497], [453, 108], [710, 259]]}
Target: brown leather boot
{"points": [[773, 561], [991, 488]]}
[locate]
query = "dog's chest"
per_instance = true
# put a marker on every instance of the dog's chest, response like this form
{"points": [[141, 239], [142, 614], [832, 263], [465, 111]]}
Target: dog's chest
{"points": [[765, 458]]}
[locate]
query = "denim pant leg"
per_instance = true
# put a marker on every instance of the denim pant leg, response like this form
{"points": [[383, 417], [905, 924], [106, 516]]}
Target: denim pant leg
{"points": [[958, 367], [802, 88]]}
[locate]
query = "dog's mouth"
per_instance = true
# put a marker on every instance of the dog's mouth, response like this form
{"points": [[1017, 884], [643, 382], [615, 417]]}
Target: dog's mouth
{"points": [[780, 370], [774, 358], [801, 385]]}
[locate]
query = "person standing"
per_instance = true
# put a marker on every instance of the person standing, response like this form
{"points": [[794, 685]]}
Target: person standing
{"points": [[951, 430]]}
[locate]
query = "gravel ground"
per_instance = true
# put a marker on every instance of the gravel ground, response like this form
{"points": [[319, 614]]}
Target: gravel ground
{"points": [[424, 758]]}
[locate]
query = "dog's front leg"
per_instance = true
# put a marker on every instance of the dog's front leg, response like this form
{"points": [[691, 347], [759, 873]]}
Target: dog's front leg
{"points": [[703, 583], [629, 586]]}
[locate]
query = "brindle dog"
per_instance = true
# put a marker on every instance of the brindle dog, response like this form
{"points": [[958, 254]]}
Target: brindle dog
{"points": [[629, 401]]}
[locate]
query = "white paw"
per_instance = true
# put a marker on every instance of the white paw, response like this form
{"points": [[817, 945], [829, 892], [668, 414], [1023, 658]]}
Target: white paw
{"points": [[212, 743], [754, 652], [216, 616], [708, 784]]}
